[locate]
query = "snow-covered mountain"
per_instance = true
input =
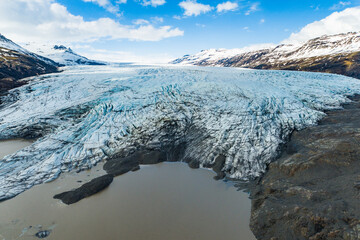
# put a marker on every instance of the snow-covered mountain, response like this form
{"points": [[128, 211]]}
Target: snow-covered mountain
{"points": [[62, 55], [327, 45], [17, 62], [88, 114], [336, 53], [6, 43], [10, 45]]}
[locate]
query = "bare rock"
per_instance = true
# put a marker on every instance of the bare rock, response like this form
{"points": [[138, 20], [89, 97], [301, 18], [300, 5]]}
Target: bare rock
{"points": [[88, 189]]}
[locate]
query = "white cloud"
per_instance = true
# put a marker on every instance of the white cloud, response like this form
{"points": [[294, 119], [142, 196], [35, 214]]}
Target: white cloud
{"points": [[347, 20], [262, 21], [227, 6], [154, 20], [121, 1], [157, 19], [339, 5], [193, 8], [46, 20], [153, 3], [105, 4], [254, 7], [141, 22]]}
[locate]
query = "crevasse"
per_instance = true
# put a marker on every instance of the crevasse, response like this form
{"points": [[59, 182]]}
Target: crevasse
{"points": [[87, 114]]}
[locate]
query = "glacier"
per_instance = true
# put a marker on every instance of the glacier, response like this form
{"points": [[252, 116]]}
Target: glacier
{"points": [[87, 114]]}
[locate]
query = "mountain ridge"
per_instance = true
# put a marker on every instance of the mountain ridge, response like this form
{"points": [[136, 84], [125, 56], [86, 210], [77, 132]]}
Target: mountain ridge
{"points": [[338, 54], [17, 63]]}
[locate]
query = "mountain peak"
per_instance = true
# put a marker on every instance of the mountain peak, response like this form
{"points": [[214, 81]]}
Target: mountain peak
{"points": [[60, 47], [61, 54]]}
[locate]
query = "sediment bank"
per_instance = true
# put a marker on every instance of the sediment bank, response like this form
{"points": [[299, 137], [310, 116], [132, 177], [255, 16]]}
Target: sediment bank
{"points": [[313, 190]]}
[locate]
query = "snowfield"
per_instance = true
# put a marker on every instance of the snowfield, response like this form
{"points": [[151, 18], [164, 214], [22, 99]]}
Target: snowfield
{"points": [[89, 113]]}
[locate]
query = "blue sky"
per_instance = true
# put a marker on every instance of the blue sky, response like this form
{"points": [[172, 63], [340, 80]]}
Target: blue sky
{"points": [[241, 24]]}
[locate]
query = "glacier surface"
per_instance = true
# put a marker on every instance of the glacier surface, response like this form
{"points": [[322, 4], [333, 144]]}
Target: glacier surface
{"points": [[87, 114]]}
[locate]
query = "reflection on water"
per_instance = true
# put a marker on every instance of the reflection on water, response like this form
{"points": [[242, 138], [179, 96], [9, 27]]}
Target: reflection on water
{"points": [[167, 201]]}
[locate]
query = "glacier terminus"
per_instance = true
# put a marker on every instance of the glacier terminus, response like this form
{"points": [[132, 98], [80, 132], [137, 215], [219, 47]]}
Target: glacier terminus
{"points": [[87, 114]]}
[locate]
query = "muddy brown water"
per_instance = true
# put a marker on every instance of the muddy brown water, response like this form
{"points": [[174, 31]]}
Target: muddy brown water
{"points": [[10, 146], [168, 201]]}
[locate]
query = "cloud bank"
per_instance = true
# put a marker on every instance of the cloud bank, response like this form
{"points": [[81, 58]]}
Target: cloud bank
{"points": [[47, 20], [338, 22]]}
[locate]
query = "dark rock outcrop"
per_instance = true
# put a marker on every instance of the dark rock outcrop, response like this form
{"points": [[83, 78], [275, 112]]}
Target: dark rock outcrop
{"points": [[88, 189], [120, 165], [312, 191]]}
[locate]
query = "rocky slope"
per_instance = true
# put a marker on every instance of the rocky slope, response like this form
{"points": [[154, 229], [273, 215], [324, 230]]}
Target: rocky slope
{"points": [[312, 191], [65, 56], [17, 63], [332, 54]]}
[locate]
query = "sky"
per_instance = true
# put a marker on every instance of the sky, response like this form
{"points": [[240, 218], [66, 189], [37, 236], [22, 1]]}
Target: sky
{"points": [[161, 30]]}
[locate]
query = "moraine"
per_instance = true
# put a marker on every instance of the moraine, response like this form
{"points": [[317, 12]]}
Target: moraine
{"points": [[88, 114]]}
